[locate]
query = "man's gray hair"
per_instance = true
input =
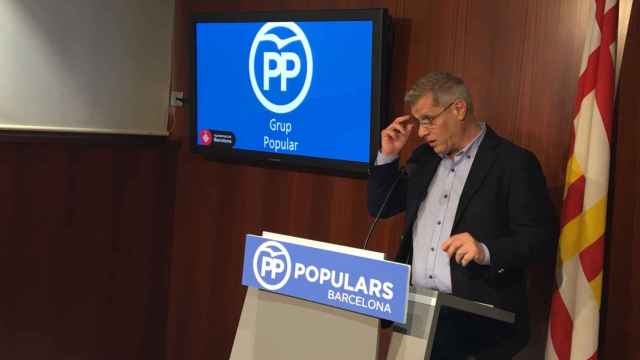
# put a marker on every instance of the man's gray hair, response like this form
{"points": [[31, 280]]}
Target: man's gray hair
{"points": [[444, 87]]}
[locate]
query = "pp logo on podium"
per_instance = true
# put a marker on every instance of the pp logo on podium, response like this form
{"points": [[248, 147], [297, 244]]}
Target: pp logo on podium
{"points": [[281, 88], [272, 265]]}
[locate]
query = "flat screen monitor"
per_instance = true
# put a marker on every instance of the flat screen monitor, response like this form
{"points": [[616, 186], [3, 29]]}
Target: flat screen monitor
{"points": [[301, 90]]}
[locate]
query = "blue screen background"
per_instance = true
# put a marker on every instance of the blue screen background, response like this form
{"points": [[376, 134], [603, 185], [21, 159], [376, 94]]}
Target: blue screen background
{"points": [[334, 119]]}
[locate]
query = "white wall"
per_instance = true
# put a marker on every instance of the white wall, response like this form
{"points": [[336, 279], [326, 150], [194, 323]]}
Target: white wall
{"points": [[98, 66]]}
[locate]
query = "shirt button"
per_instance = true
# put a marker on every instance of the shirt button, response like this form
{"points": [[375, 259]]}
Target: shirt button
{"points": [[468, 156], [439, 222], [452, 170], [446, 196], [433, 249], [430, 276]]}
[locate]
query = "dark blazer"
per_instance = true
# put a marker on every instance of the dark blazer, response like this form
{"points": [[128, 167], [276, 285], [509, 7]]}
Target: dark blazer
{"points": [[504, 204]]}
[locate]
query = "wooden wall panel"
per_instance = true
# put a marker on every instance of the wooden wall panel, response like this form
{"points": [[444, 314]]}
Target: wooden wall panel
{"points": [[84, 241], [521, 60], [621, 314]]}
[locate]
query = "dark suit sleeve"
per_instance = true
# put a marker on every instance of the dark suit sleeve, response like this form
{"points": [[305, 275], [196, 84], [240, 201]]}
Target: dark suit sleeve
{"points": [[532, 226], [378, 186]]}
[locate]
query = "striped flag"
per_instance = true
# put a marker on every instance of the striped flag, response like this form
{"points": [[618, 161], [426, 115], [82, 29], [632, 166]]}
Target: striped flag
{"points": [[575, 305]]}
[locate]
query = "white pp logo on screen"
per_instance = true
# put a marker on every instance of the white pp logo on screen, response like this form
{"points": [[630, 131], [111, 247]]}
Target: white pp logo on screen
{"points": [[281, 60], [267, 268]]}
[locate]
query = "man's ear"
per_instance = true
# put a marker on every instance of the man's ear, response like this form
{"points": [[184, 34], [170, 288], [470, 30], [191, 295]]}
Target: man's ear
{"points": [[460, 107]]}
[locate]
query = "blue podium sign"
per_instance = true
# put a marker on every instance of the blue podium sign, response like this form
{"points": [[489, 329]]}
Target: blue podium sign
{"points": [[373, 287]]}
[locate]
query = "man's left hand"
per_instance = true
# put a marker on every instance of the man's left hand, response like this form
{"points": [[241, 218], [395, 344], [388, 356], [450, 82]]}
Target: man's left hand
{"points": [[465, 248]]}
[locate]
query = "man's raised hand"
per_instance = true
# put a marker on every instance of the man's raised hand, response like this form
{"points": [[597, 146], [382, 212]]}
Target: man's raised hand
{"points": [[395, 136]]}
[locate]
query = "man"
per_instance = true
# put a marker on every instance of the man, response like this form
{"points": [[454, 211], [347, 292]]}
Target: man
{"points": [[477, 213]]}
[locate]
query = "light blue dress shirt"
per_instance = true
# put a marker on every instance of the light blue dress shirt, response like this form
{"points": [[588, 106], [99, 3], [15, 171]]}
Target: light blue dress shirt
{"points": [[434, 221]]}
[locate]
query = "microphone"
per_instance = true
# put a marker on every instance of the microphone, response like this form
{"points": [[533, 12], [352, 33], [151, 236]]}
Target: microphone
{"points": [[407, 171]]}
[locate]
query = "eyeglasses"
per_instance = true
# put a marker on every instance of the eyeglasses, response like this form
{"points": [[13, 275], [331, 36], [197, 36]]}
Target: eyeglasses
{"points": [[428, 121]]}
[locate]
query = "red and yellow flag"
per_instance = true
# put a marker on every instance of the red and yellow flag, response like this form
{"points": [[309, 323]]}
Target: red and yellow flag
{"points": [[575, 305]]}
